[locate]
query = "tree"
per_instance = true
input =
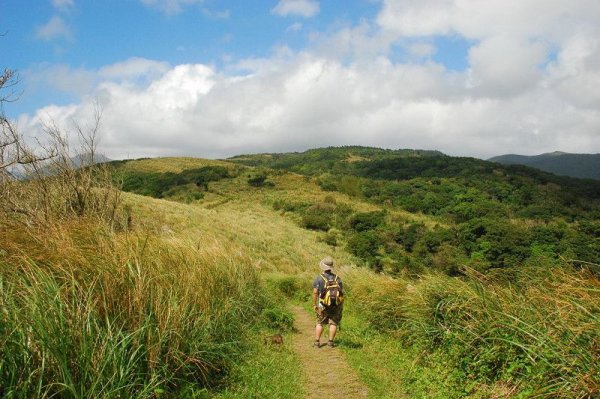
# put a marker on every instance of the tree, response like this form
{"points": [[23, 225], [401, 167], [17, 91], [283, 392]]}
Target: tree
{"points": [[54, 187]]}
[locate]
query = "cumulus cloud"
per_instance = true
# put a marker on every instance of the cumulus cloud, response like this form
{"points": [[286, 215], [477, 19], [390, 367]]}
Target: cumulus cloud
{"points": [[302, 8], [222, 14], [505, 66], [80, 81], [55, 28], [170, 6], [527, 89], [63, 4], [553, 19], [421, 49], [295, 27]]}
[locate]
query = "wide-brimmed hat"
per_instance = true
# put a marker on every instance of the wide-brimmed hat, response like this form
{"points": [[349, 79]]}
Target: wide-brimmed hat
{"points": [[326, 263]]}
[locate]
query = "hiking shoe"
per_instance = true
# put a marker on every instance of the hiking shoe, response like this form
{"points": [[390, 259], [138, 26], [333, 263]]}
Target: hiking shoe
{"points": [[331, 344], [316, 344]]}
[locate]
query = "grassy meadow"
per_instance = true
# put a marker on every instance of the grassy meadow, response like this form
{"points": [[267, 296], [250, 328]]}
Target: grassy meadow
{"points": [[173, 297]]}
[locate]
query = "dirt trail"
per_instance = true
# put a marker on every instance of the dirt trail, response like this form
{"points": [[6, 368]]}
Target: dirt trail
{"points": [[326, 371]]}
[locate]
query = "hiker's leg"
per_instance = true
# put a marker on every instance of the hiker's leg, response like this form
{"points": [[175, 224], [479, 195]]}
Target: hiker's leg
{"points": [[332, 331], [318, 332]]}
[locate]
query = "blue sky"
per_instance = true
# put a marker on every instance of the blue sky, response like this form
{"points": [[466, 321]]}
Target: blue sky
{"points": [[215, 78], [98, 33]]}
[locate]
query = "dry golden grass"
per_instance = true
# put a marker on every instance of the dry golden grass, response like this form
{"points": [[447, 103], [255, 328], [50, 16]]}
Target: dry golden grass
{"points": [[171, 164], [243, 215], [103, 314], [273, 243], [355, 158]]}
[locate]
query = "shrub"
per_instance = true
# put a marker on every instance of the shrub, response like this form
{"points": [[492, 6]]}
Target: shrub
{"points": [[278, 319], [316, 221], [331, 238], [365, 245], [367, 220], [408, 235], [257, 180], [291, 287], [318, 217]]}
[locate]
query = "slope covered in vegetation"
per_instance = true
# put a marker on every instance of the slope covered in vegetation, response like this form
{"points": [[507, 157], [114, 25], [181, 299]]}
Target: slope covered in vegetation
{"points": [[527, 327], [488, 215], [170, 295]]}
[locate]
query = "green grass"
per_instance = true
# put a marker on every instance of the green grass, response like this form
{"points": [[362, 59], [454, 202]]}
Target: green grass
{"points": [[266, 372], [479, 336], [121, 316], [177, 303]]}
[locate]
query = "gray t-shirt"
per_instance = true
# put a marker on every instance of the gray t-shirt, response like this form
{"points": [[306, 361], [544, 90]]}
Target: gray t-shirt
{"points": [[319, 283]]}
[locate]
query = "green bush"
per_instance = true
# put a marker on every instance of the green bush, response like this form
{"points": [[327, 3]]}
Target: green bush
{"points": [[318, 217], [331, 238], [315, 221], [160, 185], [408, 235], [365, 245], [367, 220], [290, 287], [257, 179], [278, 319]]}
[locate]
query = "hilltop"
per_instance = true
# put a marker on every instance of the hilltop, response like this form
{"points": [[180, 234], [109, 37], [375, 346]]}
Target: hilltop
{"points": [[559, 163]]}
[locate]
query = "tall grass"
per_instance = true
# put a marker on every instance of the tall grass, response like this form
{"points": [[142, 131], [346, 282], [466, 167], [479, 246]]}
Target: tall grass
{"points": [[87, 314], [538, 331]]}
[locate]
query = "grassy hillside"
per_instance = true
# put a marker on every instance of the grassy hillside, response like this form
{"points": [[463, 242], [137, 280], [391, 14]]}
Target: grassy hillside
{"points": [[485, 215], [153, 305], [498, 334]]}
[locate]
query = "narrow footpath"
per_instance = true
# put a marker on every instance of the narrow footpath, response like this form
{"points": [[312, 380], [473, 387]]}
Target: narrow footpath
{"points": [[327, 373]]}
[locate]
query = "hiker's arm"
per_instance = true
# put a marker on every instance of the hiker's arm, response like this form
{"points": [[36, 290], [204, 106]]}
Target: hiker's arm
{"points": [[315, 294]]}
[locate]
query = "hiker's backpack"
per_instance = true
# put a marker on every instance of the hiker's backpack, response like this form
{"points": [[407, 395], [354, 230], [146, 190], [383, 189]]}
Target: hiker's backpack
{"points": [[332, 294]]}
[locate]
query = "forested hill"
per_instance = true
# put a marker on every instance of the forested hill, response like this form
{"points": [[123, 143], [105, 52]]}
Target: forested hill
{"points": [[495, 215], [405, 164], [433, 210], [330, 159], [560, 163]]}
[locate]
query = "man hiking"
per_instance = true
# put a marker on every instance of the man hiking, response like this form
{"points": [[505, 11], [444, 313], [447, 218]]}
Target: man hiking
{"points": [[327, 298]]}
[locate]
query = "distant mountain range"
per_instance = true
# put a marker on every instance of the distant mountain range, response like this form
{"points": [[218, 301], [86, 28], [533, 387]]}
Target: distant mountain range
{"points": [[77, 161], [559, 163], [85, 159]]}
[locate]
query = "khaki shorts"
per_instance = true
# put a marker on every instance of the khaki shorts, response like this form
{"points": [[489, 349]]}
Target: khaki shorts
{"points": [[331, 315]]}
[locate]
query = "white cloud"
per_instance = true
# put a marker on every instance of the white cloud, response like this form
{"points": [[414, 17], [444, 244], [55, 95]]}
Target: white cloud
{"points": [[475, 19], [295, 27], [81, 82], [133, 68], [170, 6], [43, 77], [505, 66], [55, 28], [223, 14], [421, 49], [63, 4], [302, 8], [529, 88], [307, 101]]}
